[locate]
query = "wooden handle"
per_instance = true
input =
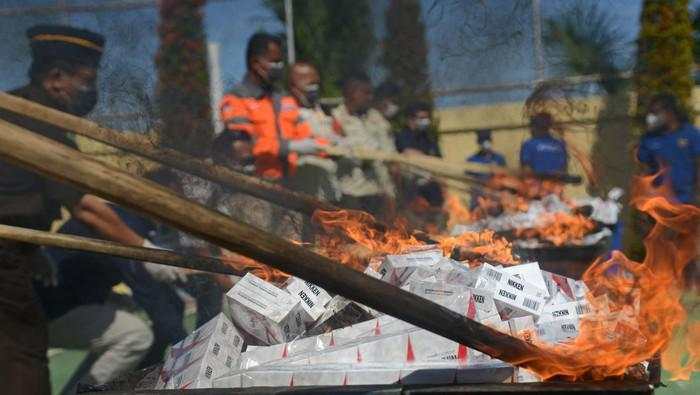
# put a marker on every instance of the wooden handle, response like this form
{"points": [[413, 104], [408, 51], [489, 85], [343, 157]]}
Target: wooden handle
{"points": [[164, 257]]}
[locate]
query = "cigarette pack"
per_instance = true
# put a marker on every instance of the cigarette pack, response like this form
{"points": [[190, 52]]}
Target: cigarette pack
{"points": [[266, 312], [531, 273], [340, 313], [558, 331], [439, 293], [396, 269], [313, 299], [516, 298], [558, 285], [210, 351], [565, 311], [484, 303]]}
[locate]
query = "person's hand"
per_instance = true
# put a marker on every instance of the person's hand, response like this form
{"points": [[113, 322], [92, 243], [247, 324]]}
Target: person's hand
{"points": [[305, 146], [163, 273]]}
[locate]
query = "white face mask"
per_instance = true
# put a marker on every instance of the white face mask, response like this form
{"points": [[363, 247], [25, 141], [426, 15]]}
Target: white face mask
{"points": [[486, 145], [654, 121], [422, 123], [391, 110]]}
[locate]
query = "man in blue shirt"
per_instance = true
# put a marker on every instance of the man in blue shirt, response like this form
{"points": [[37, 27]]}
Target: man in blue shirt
{"points": [[543, 154], [486, 154], [671, 142]]}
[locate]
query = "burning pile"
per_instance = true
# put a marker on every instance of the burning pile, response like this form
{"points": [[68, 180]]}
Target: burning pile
{"points": [[607, 325], [301, 335], [548, 221]]}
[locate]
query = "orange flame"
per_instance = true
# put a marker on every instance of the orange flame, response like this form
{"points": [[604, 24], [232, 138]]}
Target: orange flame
{"points": [[643, 300], [457, 212], [560, 228], [245, 264], [354, 238], [483, 245]]}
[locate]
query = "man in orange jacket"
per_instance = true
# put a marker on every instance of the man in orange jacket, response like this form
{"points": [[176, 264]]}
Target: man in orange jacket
{"points": [[272, 120]]}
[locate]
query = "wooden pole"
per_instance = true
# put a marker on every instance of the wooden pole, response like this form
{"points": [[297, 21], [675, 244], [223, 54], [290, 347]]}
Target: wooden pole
{"points": [[141, 254], [39, 154], [436, 166], [140, 145]]}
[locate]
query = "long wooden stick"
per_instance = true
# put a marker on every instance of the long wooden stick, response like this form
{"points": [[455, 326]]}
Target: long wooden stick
{"points": [[141, 254], [39, 154], [434, 165], [140, 145]]}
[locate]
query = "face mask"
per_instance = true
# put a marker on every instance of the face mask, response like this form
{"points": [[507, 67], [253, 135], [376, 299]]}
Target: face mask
{"points": [[422, 123], [486, 145], [654, 121], [85, 100], [275, 72], [312, 94], [391, 110]]}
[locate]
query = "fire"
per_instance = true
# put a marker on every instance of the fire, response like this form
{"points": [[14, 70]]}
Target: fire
{"points": [[479, 246], [642, 306], [560, 228], [354, 238], [456, 212], [245, 264]]}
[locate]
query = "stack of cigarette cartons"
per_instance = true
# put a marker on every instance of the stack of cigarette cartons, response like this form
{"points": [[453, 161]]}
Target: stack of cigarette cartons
{"points": [[211, 351], [306, 336], [264, 311]]}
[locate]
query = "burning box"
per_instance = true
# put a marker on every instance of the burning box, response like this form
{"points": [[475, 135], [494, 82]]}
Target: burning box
{"points": [[264, 311], [313, 299], [211, 351]]}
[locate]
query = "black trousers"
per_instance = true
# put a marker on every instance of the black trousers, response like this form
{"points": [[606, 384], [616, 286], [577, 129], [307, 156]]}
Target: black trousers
{"points": [[23, 328]]}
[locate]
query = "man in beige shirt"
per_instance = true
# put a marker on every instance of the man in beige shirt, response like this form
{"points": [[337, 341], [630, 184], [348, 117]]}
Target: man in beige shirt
{"points": [[315, 175], [365, 185]]}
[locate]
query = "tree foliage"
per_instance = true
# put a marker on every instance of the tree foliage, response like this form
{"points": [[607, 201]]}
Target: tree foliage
{"points": [[405, 51], [336, 36], [665, 52], [584, 40], [183, 80]]}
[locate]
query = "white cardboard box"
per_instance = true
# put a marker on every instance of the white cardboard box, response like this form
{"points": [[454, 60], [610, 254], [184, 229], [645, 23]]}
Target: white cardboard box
{"points": [[313, 299], [211, 351], [264, 311]]}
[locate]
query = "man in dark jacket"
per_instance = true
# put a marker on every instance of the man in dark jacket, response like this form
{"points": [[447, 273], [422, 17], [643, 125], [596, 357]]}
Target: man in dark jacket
{"points": [[63, 76]]}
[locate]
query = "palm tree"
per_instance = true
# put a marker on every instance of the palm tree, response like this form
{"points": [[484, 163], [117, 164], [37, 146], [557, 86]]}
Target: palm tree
{"points": [[584, 40]]}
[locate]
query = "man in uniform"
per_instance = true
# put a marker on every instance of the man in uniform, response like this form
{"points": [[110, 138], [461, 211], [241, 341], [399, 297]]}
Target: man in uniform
{"points": [[543, 154], [315, 176], [62, 76], [365, 185], [673, 142]]}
